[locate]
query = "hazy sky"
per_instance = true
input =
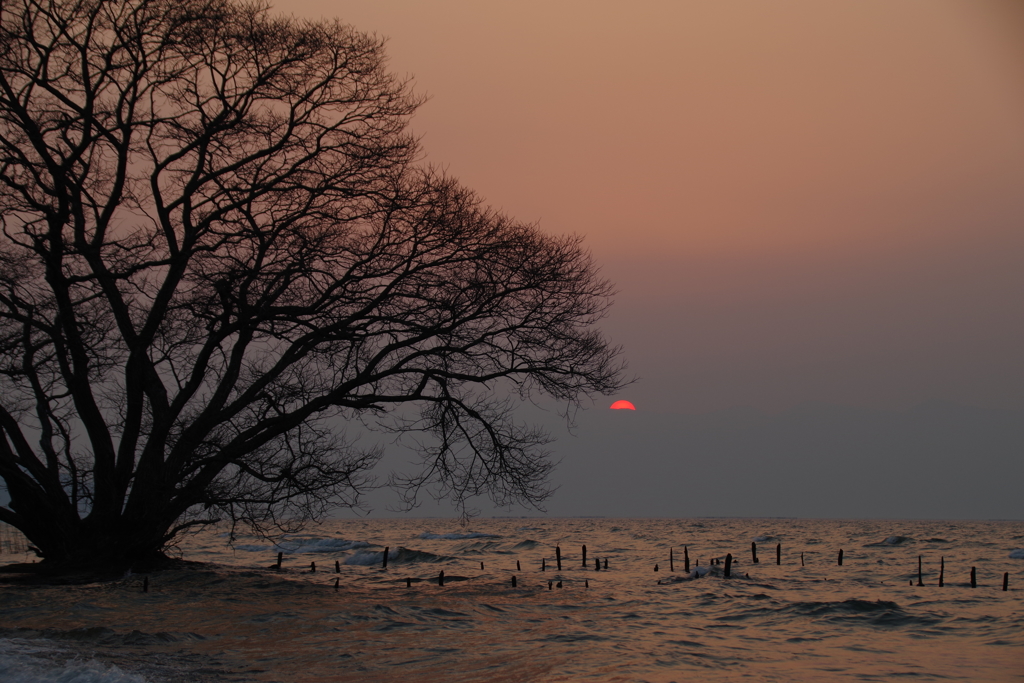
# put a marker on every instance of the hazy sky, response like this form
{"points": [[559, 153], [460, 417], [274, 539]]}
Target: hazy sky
{"points": [[798, 201], [801, 203]]}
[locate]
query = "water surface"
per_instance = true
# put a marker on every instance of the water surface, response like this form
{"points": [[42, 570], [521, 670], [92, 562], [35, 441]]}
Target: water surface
{"points": [[238, 619]]}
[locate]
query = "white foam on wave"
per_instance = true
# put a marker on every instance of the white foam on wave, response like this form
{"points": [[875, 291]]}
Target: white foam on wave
{"points": [[1017, 554], [367, 558], [426, 535], [23, 662], [295, 546]]}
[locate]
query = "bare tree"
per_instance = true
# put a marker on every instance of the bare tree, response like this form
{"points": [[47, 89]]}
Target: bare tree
{"points": [[218, 249]]}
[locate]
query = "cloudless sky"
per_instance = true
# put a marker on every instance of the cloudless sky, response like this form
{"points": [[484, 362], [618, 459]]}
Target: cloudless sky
{"points": [[814, 216], [798, 201]]}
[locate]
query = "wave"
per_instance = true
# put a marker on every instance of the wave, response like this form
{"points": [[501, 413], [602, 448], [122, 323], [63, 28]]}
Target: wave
{"points": [[1017, 554], [427, 536], [875, 612], [21, 662], [369, 558], [762, 538], [528, 544], [890, 541], [482, 547], [700, 572], [309, 544]]}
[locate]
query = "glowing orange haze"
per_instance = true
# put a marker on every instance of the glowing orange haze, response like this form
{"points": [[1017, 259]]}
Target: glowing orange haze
{"points": [[798, 201]]}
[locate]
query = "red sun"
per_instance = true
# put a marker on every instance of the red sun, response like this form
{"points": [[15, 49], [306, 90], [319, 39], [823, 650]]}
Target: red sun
{"points": [[623, 405]]}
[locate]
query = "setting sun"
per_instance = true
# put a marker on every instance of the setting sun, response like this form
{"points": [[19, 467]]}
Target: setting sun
{"points": [[623, 405]]}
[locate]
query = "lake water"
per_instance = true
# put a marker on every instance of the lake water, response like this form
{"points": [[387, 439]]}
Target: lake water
{"points": [[238, 619]]}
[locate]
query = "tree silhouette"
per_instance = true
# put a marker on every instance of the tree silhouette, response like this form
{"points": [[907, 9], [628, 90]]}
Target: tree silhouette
{"points": [[218, 249]]}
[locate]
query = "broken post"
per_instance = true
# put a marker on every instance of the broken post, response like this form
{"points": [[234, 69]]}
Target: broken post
{"points": [[974, 578], [597, 565], [408, 582], [778, 553], [1006, 581], [558, 557], [686, 560], [728, 565], [801, 559], [753, 551], [840, 557], [312, 567], [550, 584], [280, 556], [336, 582], [584, 565], [386, 549], [481, 566], [513, 582], [543, 564], [337, 567], [518, 568], [671, 563], [440, 578], [920, 582], [942, 571], [606, 563]]}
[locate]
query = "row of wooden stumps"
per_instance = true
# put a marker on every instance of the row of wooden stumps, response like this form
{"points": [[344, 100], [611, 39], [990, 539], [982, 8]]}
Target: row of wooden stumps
{"points": [[942, 575], [671, 563], [558, 561], [778, 555]]}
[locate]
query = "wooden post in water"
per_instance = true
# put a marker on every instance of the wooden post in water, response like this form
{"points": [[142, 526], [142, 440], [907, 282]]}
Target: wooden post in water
{"points": [[671, 562], [312, 567], [481, 566], [597, 564], [440, 578], [586, 583], [655, 566], [801, 559], [558, 557], [386, 550], [145, 584], [1006, 581], [942, 571], [518, 568], [338, 581], [753, 551], [778, 553], [513, 581], [728, 565], [558, 585], [337, 567], [974, 578], [543, 564], [550, 584], [408, 582], [280, 556], [919, 581], [584, 564], [606, 563], [686, 560], [840, 557]]}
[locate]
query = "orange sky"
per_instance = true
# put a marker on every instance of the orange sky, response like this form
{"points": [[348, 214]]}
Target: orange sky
{"points": [[799, 201]]}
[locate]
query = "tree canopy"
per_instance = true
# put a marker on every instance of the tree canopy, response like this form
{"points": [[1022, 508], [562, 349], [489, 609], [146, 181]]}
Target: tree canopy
{"points": [[219, 247]]}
